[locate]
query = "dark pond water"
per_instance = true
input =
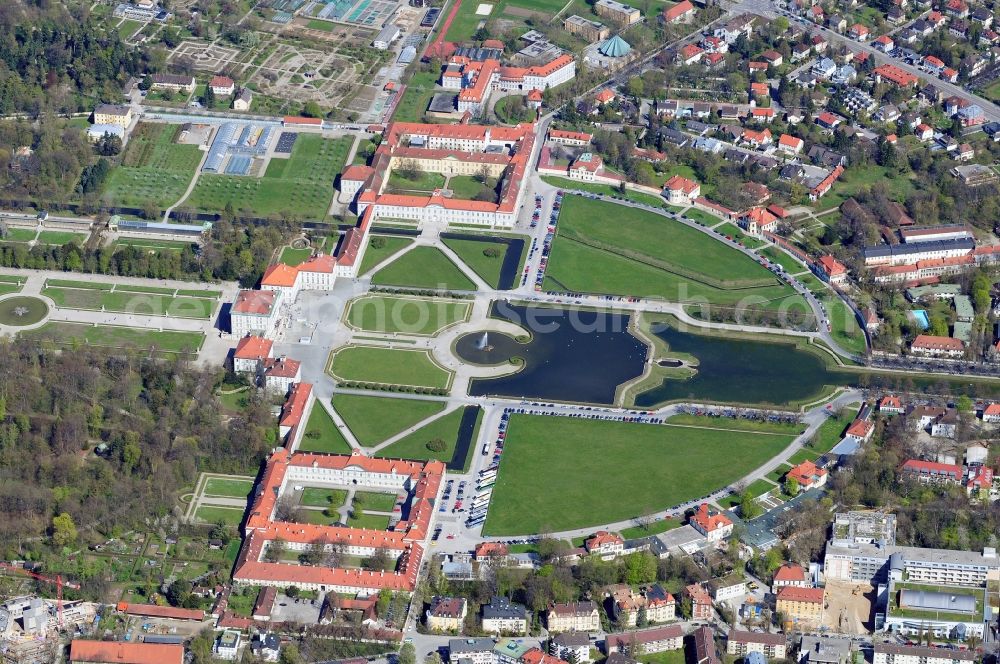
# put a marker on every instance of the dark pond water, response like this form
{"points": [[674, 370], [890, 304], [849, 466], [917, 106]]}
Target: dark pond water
{"points": [[573, 355], [741, 371]]}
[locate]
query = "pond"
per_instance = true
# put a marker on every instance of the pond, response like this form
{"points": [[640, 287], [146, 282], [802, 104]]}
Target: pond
{"points": [[572, 355], [743, 371]]}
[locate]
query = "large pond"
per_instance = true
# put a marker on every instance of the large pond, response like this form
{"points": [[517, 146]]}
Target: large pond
{"points": [[742, 371], [573, 355]]}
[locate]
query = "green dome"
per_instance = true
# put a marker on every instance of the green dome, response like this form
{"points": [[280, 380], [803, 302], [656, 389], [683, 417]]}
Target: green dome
{"points": [[615, 47]]}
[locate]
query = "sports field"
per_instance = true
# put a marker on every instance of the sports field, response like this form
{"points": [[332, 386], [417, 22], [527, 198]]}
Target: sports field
{"points": [[423, 267], [374, 419], [560, 473], [406, 315], [647, 255], [132, 300], [300, 186], [322, 434], [472, 254], [154, 169], [74, 334]]}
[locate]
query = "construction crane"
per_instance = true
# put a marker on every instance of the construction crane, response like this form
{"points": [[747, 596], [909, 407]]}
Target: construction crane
{"points": [[58, 581]]}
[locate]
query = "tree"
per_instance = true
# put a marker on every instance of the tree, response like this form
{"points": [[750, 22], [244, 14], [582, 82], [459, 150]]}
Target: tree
{"points": [[178, 592], [63, 530], [378, 561], [209, 98], [312, 110], [290, 655], [275, 550], [433, 658], [437, 445], [792, 486], [407, 654], [749, 507], [108, 145], [641, 618]]}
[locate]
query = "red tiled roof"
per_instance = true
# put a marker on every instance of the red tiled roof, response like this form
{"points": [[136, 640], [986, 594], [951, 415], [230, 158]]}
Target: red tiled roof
{"points": [[790, 572], [356, 172], [992, 409], [896, 75], [832, 266], [295, 406], [860, 428], [298, 120], [793, 142], [890, 401], [487, 549], [601, 538], [678, 10], [679, 183], [280, 275], [125, 653], [221, 82], [283, 368], [806, 474], [570, 135], [931, 342], [796, 594], [918, 466], [710, 520], [256, 302], [536, 656], [253, 348], [604, 96], [319, 263]]}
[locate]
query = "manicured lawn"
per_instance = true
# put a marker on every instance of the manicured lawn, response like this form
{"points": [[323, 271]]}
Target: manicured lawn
{"points": [[219, 486], [235, 401], [846, 330], [373, 419], [131, 302], [804, 454], [555, 472], [166, 341], [831, 431], [665, 657], [778, 474], [735, 232], [471, 253], [417, 96], [60, 237], [856, 178], [701, 216], [407, 315], [791, 265], [737, 425], [290, 256], [301, 185], [370, 521], [20, 235], [317, 517], [381, 247], [152, 246], [655, 528], [423, 182], [467, 186], [813, 283], [414, 446], [423, 267], [466, 19], [390, 366], [154, 169], [759, 488], [608, 190], [374, 501], [317, 497], [512, 110], [317, 24], [322, 434], [10, 284], [87, 285], [646, 254], [230, 516]]}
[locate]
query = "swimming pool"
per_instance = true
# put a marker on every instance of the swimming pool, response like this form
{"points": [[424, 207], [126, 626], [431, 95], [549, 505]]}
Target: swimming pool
{"points": [[921, 317]]}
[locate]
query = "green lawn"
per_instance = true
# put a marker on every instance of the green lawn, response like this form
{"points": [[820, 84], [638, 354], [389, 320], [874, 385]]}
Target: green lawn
{"points": [[406, 315], [370, 521], [381, 247], [737, 234], [230, 488], [655, 528], [784, 260], [813, 283], [513, 110], [417, 97], [317, 517], [301, 185], [61, 237], [832, 431], [737, 424], [414, 446], [423, 267], [290, 256], [391, 366], [154, 169], [10, 284], [423, 182], [467, 187], [778, 474], [322, 434], [665, 657], [701, 216], [20, 235], [131, 302], [71, 334], [645, 254], [374, 501], [317, 497], [608, 190], [555, 474], [856, 178], [319, 24], [759, 488], [374, 419], [153, 246], [471, 253], [231, 516], [803, 455], [466, 20], [846, 330]]}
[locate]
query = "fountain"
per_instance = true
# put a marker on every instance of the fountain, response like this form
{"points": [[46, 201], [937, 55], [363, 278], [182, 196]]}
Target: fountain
{"points": [[483, 343]]}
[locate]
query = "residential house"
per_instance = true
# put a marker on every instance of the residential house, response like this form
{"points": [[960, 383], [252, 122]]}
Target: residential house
{"points": [[808, 475], [891, 405], [681, 191], [711, 523], [928, 345], [789, 574], [859, 32], [800, 606], [173, 82], [991, 413], [730, 587], [571, 647], [476, 651], [682, 12], [501, 616], [884, 43], [447, 614], [113, 115], [243, 100], [741, 644], [575, 616], [606, 545], [701, 602], [646, 641], [832, 270], [931, 472], [860, 431], [222, 86]]}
